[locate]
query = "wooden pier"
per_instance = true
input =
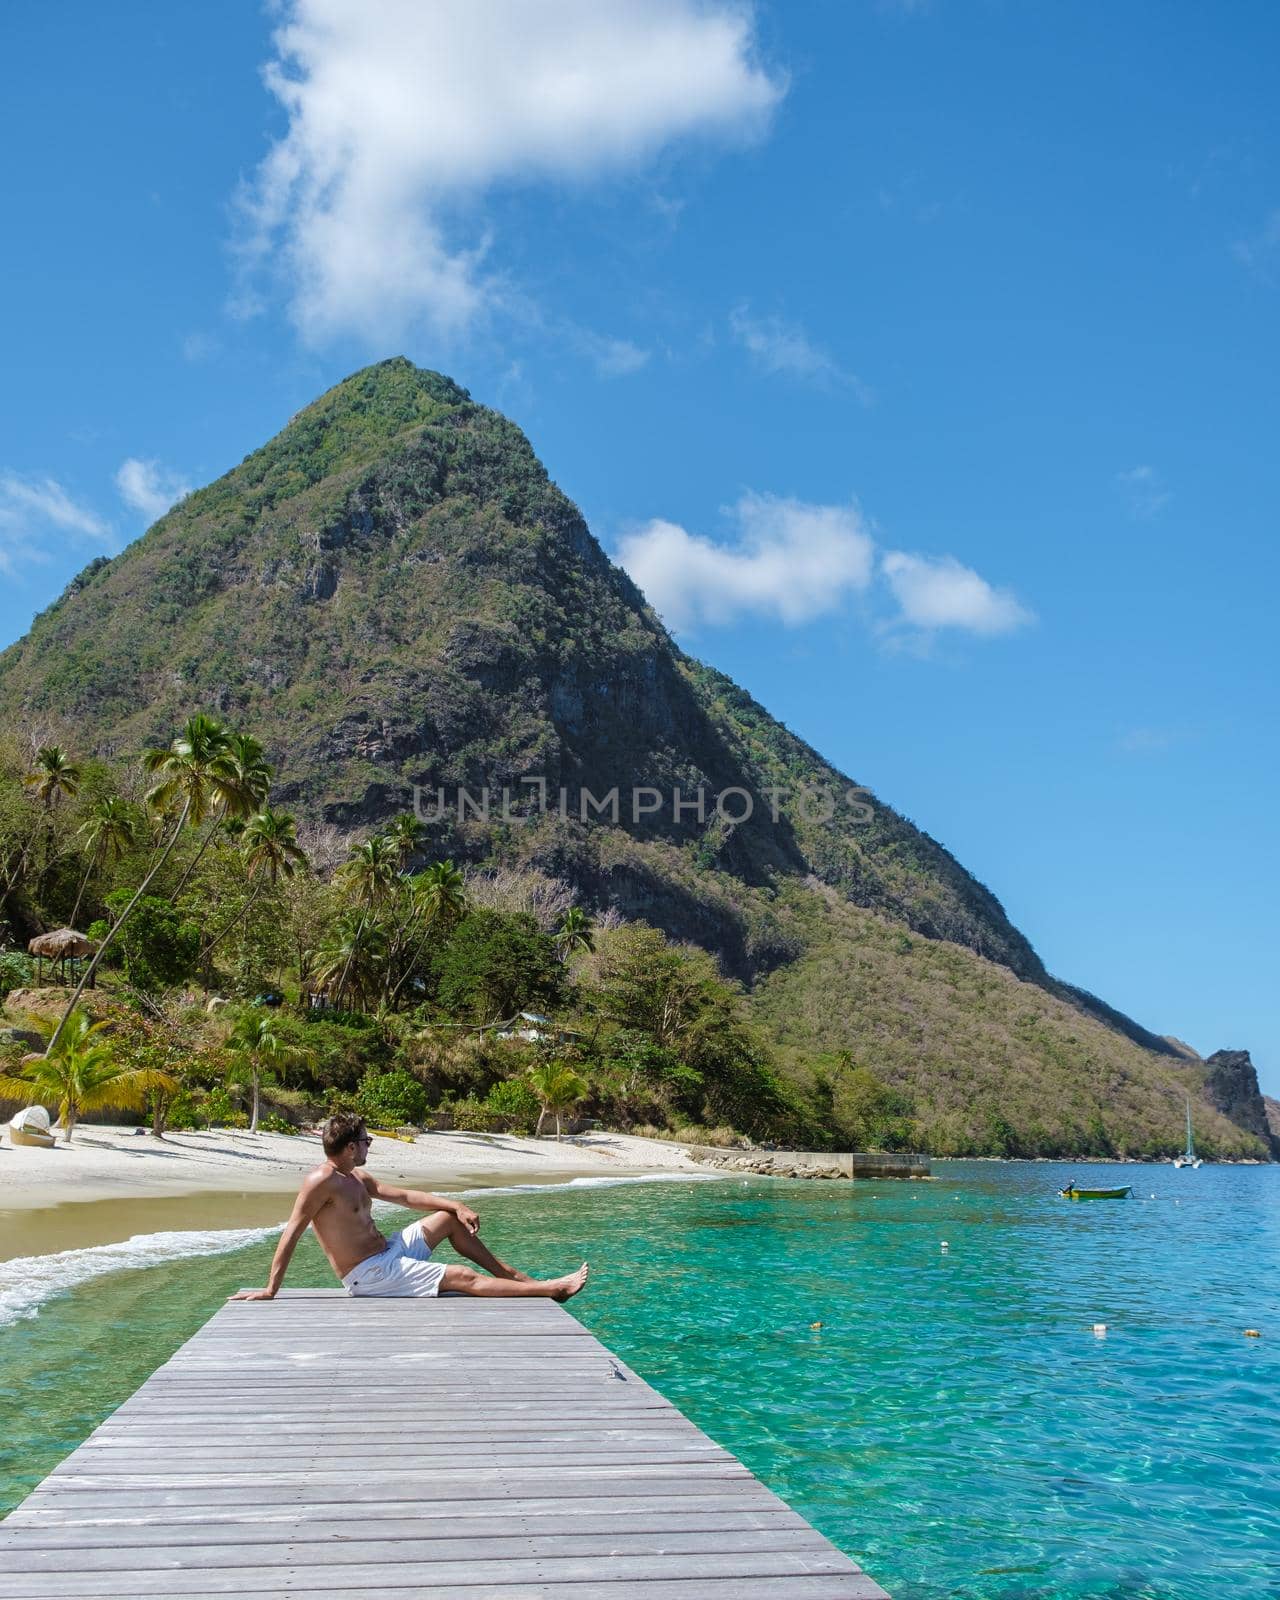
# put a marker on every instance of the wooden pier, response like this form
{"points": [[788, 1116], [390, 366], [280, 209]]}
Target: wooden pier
{"points": [[316, 1445]]}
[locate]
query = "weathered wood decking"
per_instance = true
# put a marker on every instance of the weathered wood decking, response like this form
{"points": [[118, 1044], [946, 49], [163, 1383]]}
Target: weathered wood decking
{"points": [[481, 1450]]}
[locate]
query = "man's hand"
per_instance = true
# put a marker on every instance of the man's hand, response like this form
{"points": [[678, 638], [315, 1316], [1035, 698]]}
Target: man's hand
{"points": [[254, 1294], [469, 1219]]}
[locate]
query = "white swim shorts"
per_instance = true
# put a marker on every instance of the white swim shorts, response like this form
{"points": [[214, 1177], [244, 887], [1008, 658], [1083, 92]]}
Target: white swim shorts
{"points": [[403, 1271]]}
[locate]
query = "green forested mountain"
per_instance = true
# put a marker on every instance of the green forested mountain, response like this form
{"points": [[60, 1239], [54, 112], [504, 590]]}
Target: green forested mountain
{"points": [[391, 593]]}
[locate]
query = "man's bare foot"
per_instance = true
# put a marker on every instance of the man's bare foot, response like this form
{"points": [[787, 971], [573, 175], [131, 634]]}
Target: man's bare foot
{"points": [[565, 1288]]}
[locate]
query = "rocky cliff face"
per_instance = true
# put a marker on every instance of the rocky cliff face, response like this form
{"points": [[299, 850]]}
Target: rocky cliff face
{"points": [[1231, 1086], [391, 594]]}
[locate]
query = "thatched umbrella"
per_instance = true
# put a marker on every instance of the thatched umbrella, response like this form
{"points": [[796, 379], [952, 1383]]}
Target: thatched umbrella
{"points": [[60, 946]]}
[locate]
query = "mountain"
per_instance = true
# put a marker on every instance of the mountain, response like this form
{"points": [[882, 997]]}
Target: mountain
{"points": [[391, 593]]}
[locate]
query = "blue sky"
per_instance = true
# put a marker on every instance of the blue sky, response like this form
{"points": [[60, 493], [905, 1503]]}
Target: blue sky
{"points": [[919, 358]]}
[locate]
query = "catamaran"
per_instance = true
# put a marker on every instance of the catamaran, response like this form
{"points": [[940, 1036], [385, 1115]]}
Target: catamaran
{"points": [[1188, 1158]]}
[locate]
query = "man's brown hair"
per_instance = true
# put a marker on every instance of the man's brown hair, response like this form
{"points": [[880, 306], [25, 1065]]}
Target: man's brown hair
{"points": [[339, 1131]]}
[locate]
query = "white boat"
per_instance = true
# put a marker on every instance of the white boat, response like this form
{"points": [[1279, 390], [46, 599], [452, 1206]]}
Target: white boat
{"points": [[1188, 1158]]}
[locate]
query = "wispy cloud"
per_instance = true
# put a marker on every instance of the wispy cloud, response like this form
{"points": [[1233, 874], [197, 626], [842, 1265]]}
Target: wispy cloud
{"points": [[1145, 741], [38, 512], [941, 592], [398, 110], [197, 347], [612, 358], [785, 349], [148, 487], [793, 561], [1144, 492], [1259, 251]]}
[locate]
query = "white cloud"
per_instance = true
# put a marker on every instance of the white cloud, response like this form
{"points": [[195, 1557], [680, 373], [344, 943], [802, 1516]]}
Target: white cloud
{"points": [[792, 561], [784, 348], [399, 110], [34, 510], [148, 487], [940, 592], [1144, 491]]}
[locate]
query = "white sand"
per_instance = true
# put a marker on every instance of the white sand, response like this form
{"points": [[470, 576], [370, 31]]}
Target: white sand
{"points": [[103, 1163]]}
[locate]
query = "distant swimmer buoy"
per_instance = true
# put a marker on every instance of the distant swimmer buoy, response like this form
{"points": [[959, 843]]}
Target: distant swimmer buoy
{"points": [[1100, 1330], [1252, 1333]]}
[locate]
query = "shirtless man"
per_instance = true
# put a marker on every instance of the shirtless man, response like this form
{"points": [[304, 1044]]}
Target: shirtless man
{"points": [[337, 1201]]}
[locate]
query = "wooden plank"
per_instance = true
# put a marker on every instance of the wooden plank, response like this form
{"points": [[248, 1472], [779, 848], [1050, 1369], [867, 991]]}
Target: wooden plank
{"points": [[563, 1472], [446, 1578], [672, 1518], [730, 1499], [504, 1547], [855, 1586], [505, 1486]]}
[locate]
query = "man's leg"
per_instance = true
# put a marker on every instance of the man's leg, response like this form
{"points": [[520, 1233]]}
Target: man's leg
{"points": [[444, 1225], [461, 1280]]}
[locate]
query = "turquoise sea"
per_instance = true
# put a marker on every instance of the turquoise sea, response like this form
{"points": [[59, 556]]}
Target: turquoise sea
{"points": [[958, 1422]]}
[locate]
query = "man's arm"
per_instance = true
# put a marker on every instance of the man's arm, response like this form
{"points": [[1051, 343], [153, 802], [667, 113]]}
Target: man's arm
{"points": [[419, 1200], [311, 1197]]}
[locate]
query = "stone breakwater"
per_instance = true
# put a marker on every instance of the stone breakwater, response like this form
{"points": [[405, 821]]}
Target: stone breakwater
{"points": [[813, 1163]]}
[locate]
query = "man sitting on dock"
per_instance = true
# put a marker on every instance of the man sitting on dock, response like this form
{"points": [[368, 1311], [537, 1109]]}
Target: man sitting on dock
{"points": [[337, 1201]]}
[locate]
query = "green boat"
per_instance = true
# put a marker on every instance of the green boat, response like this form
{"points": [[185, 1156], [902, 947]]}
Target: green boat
{"points": [[1072, 1193]]}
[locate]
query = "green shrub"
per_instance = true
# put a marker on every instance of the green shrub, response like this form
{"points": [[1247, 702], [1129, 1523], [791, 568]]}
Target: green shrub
{"points": [[274, 1123], [158, 946], [220, 1111], [515, 1103], [185, 1114], [16, 972], [387, 1099], [471, 1116]]}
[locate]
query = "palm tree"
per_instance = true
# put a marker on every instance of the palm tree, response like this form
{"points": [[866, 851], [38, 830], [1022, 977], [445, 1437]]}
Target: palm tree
{"points": [[108, 833], [371, 871], [406, 834], [352, 957], [438, 898], [81, 1073], [557, 1087], [196, 773], [269, 845], [250, 794], [440, 893], [256, 1047], [574, 933], [53, 774]]}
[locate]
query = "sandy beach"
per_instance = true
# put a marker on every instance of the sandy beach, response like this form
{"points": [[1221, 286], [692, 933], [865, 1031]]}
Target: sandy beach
{"points": [[110, 1182]]}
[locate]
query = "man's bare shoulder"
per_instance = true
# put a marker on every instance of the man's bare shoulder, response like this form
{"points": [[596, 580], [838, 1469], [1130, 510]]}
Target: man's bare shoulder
{"points": [[320, 1181]]}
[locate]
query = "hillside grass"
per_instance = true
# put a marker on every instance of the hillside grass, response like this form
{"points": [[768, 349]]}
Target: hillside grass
{"points": [[989, 1064]]}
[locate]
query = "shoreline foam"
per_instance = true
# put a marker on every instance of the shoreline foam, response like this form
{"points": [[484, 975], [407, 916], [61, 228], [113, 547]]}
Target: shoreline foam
{"points": [[29, 1280]]}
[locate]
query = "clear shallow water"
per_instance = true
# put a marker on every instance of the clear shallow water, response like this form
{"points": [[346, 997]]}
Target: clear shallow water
{"points": [[955, 1423]]}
